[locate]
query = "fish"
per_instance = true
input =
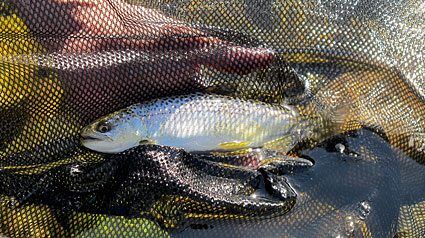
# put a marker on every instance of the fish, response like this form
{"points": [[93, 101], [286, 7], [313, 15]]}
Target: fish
{"points": [[198, 123]]}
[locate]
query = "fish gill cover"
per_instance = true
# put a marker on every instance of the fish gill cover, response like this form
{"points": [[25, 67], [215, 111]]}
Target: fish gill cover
{"points": [[66, 63]]}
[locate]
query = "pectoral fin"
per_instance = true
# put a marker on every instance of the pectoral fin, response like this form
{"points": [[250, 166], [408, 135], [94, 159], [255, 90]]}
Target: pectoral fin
{"points": [[147, 142], [234, 145]]}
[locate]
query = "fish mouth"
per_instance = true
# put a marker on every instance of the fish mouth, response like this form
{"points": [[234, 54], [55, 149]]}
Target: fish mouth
{"points": [[90, 138], [87, 136]]}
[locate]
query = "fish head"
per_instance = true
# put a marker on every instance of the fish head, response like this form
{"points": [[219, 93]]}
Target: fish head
{"points": [[114, 133]]}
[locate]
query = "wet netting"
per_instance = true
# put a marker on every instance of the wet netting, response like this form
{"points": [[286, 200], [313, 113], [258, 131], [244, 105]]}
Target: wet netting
{"points": [[66, 63]]}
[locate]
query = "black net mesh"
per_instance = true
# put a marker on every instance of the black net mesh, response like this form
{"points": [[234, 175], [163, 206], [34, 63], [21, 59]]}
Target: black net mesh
{"points": [[65, 63]]}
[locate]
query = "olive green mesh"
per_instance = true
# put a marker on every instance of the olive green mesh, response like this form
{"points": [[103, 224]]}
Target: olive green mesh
{"points": [[65, 63]]}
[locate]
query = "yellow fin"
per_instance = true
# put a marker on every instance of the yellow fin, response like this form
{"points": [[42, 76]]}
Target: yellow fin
{"points": [[234, 145]]}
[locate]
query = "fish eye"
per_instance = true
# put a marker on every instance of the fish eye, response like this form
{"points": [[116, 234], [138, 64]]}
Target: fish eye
{"points": [[103, 127]]}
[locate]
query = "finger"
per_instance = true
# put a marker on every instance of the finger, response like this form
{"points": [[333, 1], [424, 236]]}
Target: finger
{"points": [[237, 59]]}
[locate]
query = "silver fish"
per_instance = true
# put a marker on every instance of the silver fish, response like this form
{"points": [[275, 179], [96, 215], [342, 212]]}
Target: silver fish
{"points": [[197, 123]]}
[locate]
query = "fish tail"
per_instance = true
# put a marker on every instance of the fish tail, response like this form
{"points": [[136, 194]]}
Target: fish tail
{"points": [[324, 122], [338, 118]]}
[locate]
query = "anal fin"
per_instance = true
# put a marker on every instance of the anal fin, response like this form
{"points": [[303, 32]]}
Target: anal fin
{"points": [[234, 145]]}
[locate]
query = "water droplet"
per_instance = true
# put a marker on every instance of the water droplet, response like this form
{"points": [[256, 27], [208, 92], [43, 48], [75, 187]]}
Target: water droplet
{"points": [[75, 169], [364, 210], [340, 147]]}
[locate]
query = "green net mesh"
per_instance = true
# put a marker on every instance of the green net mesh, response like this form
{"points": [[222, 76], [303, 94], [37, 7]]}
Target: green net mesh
{"points": [[65, 63]]}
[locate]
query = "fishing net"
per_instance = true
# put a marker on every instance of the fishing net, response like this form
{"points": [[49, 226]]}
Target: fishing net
{"points": [[65, 63]]}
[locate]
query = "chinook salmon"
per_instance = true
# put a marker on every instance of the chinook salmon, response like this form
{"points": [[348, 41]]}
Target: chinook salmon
{"points": [[198, 123]]}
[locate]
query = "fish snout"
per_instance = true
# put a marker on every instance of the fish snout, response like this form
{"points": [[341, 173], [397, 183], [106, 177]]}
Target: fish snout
{"points": [[88, 134]]}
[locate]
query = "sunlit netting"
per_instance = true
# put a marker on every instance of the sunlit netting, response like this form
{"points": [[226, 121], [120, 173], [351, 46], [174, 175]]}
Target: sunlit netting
{"points": [[65, 63]]}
